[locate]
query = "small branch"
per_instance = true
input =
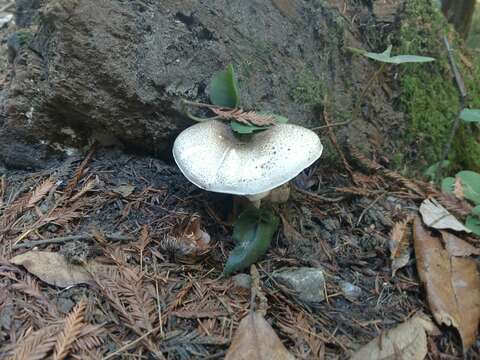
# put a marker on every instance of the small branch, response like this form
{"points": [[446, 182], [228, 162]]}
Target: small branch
{"points": [[7, 7], [198, 104], [463, 97], [130, 344], [360, 218], [64, 239]]}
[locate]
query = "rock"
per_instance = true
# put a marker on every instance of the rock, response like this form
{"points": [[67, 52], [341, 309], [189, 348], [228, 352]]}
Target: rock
{"points": [[65, 305], [350, 291], [331, 224], [125, 77], [5, 20], [308, 283], [242, 281]]}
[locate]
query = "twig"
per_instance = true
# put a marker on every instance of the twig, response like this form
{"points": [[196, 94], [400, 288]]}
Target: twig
{"points": [[64, 239], [7, 7], [463, 97], [198, 104], [130, 344], [318, 196], [370, 206]]}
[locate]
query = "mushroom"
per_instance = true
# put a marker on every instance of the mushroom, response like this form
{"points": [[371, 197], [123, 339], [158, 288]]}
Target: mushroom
{"points": [[214, 158]]}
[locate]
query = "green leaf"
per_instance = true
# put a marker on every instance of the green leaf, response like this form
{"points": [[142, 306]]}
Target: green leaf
{"points": [[224, 90], [248, 129], [404, 59], [471, 185], [278, 118], [470, 115], [448, 185], [383, 57], [399, 59], [432, 170], [473, 223], [245, 129], [476, 211], [253, 232]]}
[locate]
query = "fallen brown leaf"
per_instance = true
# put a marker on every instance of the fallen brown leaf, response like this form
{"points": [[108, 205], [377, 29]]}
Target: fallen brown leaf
{"points": [[256, 340], [54, 269], [407, 341], [187, 242], [452, 284], [436, 216], [458, 247], [399, 245]]}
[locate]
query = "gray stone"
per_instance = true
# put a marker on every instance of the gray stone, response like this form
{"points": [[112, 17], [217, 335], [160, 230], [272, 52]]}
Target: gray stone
{"points": [[349, 290], [65, 305], [243, 281], [307, 283]]}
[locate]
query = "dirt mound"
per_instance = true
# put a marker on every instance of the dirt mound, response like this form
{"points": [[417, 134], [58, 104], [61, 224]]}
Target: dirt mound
{"points": [[115, 71]]}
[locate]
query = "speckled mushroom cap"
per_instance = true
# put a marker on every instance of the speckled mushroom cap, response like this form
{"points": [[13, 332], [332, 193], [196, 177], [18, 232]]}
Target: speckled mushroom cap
{"points": [[214, 159]]}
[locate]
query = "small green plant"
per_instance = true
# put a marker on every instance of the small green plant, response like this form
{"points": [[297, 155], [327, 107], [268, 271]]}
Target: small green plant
{"points": [[466, 184], [225, 99], [255, 227], [386, 57], [253, 232]]}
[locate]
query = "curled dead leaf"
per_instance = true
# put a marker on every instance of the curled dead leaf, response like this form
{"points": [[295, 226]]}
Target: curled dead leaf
{"points": [[256, 340], [452, 284], [408, 341], [188, 242], [436, 216], [399, 245]]}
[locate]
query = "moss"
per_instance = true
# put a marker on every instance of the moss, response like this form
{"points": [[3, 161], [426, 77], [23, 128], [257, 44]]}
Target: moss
{"points": [[430, 96], [474, 37], [308, 90]]}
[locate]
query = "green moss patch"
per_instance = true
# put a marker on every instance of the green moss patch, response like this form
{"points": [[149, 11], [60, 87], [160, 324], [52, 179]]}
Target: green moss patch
{"points": [[430, 97]]}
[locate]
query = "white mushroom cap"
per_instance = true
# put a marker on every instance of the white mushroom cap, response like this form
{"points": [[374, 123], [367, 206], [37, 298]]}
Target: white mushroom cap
{"points": [[214, 159]]}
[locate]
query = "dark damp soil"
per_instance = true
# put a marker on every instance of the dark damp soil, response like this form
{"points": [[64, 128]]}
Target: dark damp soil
{"points": [[328, 223]]}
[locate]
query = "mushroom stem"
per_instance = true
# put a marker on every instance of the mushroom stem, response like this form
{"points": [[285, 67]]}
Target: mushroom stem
{"points": [[256, 203], [256, 199]]}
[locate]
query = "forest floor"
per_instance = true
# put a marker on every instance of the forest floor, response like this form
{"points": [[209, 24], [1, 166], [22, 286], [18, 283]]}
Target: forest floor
{"points": [[93, 264], [123, 218]]}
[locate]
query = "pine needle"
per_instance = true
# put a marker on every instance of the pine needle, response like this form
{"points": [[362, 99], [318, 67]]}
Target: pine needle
{"points": [[40, 192], [399, 238], [72, 328], [245, 117], [36, 345]]}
